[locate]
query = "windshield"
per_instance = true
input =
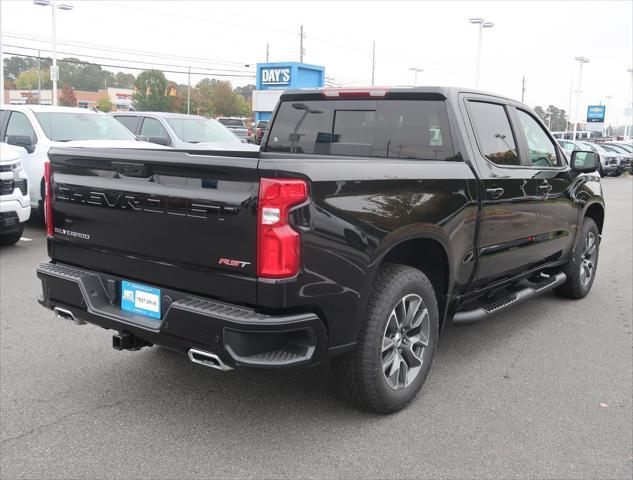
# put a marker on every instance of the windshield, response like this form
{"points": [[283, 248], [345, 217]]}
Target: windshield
{"points": [[196, 130], [622, 147], [593, 147], [67, 126]]}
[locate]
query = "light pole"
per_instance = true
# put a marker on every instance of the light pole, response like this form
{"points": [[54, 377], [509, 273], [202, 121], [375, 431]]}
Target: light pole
{"points": [[54, 6], [482, 24], [1, 60], [581, 61], [606, 110], [415, 71], [629, 124]]}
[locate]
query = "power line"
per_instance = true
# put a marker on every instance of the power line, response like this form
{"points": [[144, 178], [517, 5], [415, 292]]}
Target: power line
{"points": [[78, 62], [126, 60], [144, 53]]}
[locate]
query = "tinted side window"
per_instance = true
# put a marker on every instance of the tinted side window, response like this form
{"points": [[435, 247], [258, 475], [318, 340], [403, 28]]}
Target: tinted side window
{"points": [[19, 125], [542, 149], [493, 132], [128, 122], [152, 128]]}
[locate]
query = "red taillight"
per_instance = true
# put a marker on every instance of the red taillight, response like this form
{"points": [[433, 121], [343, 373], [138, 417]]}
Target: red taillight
{"points": [[278, 244], [260, 133], [48, 207], [250, 131]]}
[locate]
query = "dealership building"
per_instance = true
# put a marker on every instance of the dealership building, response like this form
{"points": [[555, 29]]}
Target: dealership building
{"points": [[274, 78]]}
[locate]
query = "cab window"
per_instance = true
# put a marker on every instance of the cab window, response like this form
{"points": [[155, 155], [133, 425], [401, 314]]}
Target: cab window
{"points": [[542, 149], [493, 132], [152, 128], [19, 125]]}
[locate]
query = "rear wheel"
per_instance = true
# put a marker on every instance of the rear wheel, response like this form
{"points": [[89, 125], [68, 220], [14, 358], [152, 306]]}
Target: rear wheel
{"points": [[11, 238], [581, 268], [396, 343]]}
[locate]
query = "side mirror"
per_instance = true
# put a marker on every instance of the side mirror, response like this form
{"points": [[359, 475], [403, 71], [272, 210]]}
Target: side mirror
{"points": [[584, 162], [159, 140], [23, 141]]}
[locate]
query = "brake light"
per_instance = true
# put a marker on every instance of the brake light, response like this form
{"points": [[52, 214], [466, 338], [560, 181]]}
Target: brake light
{"points": [[355, 92], [48, 207], [250, 131], [278, 244]]}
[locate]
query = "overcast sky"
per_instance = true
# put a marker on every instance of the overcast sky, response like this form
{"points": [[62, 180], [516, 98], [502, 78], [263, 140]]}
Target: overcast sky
{"points": [[535, 39]]}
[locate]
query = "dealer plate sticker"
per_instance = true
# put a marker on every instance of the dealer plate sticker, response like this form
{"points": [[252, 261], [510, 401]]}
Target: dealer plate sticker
{"points": [[140, 299]]}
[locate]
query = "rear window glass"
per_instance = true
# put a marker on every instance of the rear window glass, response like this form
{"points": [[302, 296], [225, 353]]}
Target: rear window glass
{"points": [[413, 129], [64, 127], [231, 122]]}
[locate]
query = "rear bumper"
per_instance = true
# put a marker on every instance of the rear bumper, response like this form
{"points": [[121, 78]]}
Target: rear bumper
{"points": [[239, 336]]}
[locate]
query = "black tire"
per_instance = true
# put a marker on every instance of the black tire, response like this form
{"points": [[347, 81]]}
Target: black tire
{"points": [[359, 374], [577, 284], [11, 238], [617, 173], [601, 171]]}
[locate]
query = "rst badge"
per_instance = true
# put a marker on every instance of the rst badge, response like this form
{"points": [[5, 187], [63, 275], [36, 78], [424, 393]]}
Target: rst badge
{"points": [[233, 263]]}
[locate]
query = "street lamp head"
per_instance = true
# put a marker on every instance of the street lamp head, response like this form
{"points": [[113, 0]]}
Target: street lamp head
{"points": [[581, 59], [476, 20], [488, 25], [416, 69], [42, 3], [64, 6]]}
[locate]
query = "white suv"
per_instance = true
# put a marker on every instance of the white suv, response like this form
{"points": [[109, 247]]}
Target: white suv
{"points": [[14, 197], [37, 128]]}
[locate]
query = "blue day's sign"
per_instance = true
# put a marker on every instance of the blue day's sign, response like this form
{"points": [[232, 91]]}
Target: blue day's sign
{"points": [[276, 76], [595, 113]]}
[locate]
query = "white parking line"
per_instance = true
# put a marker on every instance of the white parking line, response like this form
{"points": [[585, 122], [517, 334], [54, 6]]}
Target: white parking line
{"points": [[26, 239]]}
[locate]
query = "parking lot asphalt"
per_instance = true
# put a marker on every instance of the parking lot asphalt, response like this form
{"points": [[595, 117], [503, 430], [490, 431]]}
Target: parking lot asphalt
{"points": [[542, 391]]}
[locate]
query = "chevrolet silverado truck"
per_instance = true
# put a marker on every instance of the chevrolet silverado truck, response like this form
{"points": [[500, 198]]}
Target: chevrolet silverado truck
{"points": [[369, 220]]}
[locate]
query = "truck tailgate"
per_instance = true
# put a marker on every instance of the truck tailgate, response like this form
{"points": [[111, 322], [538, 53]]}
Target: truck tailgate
{"points": [[185, 221]]}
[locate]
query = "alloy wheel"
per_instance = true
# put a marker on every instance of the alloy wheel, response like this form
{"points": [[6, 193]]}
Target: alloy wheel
{"points": [[405, 338], [588, 259]]}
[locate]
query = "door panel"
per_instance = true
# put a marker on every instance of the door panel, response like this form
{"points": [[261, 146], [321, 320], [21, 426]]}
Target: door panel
{"points": [[510, 199]]}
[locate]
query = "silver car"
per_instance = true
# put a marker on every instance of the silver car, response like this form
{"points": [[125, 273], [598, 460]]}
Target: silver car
{"points": [[182, 131]]}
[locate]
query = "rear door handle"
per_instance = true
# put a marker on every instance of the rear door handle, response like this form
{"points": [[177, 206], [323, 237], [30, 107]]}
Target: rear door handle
{"points": [[495, 193]]}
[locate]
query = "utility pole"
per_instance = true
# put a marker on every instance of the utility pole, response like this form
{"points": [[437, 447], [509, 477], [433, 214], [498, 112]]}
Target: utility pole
{"points": [[188, 89], [523, 90], [267, 52], [39, 79], [373, 63], [301, 50], [581, 61]]}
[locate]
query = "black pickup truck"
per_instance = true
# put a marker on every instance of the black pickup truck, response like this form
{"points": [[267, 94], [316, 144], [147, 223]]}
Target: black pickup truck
{"points": [[369, 220]]}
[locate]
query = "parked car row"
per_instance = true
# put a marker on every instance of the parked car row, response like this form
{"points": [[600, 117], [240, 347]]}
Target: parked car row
{"points": [[28, 132], [615, 157]]}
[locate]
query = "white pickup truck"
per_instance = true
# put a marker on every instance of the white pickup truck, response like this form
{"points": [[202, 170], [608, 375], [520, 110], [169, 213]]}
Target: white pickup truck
{"points": [[14, 197]]}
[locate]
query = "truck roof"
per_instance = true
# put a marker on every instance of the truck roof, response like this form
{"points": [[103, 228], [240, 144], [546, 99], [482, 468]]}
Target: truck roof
{"points": [[446, 92]]}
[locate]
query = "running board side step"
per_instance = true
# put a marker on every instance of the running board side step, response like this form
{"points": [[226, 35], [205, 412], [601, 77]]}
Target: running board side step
{"points": [[467, 317]]}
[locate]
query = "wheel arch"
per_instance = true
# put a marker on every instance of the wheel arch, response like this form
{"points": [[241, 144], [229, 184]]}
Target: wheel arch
{"points": [[430, 256], [595, 211]]}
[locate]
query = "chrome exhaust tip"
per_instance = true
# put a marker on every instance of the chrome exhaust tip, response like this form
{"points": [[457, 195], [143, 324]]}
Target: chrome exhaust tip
{"points": [[207, 359], [67, 315]]}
